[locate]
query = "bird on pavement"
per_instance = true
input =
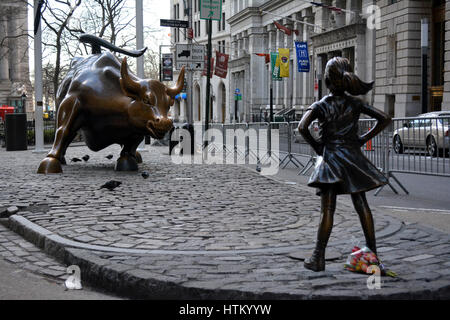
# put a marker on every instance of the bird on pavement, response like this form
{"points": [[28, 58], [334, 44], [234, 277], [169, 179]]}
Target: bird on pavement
{"points": [[85, 158], [111, 185], [109, 156], [75, 160], [145, 174]]}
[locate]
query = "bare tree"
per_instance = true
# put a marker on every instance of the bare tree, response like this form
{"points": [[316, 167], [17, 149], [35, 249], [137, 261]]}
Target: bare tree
{"points": [[57, 24]]}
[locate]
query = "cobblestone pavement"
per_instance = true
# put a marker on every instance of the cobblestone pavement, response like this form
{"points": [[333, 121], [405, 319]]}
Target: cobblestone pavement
{"points": [[205, 231]]}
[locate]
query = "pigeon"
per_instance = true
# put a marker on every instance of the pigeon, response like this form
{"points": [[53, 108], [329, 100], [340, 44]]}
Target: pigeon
{"points": [[111, 185], [109, 156], [75, 160], [85, 158], [145, 174], [258, 168]]}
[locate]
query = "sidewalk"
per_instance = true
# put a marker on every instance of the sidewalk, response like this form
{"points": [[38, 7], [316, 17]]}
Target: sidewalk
{"points": [[206, 232]]}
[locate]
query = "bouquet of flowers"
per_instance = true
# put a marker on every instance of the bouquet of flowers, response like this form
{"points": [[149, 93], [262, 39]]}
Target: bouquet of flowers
{"points": [[360, 260]]}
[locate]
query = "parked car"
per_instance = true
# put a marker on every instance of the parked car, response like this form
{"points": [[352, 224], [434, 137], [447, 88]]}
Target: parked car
{"points": [[429, 131]]}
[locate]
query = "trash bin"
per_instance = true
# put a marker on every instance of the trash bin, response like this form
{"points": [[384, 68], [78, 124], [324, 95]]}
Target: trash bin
{"points": [[16, 131], [172, 144]]}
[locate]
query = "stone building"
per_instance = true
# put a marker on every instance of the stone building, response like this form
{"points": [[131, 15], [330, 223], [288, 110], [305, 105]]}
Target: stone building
{"points": [[399, 57], [387, 51], [219, 103], [14, 68]]}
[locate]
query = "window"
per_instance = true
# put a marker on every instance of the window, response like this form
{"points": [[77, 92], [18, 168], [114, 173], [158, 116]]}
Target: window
{"points": [[223, 20]]}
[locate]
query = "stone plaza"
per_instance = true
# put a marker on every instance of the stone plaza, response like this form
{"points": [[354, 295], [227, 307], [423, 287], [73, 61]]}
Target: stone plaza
{"points": [[199, 232]]}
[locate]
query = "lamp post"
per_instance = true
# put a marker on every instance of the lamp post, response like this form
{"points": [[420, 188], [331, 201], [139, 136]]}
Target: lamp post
{"points": [[38, 113], [139, 45], [424, 45]]}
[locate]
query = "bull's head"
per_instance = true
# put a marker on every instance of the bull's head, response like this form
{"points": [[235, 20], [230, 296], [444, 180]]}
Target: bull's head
{"points": [[151, 101]]}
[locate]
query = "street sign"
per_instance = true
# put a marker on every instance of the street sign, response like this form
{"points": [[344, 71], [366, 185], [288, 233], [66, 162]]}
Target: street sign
{"points": [[174, 23], [211, 9], [190, 55], [195, 66]]}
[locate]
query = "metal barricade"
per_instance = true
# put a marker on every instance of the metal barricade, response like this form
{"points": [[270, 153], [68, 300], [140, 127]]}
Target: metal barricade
{"points": [[420, 145], [286, 132]]}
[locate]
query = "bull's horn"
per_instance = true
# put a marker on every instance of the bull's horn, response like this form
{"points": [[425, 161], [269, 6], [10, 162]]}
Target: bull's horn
{"points": [[178, 87], [128, 85]]}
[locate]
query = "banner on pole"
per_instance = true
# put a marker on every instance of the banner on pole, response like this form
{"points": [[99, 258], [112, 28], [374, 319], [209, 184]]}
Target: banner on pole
{"points": [[221, 68], [275, 66], [302, 56], [284, 62], [205, 70]]}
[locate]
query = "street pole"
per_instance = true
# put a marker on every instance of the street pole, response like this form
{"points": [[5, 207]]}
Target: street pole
{"points": [[190, 77], [140, 45], [160, 65], [424, 45], [208, 81], [271, 98], [38, 113]]}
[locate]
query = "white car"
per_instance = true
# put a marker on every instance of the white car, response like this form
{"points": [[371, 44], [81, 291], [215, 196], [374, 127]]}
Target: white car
{"points": [[429, 131]]}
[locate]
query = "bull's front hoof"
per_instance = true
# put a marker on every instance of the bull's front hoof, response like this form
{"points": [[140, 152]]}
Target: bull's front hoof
{"points": [[138, 157], [126, 163], [50, 165]]}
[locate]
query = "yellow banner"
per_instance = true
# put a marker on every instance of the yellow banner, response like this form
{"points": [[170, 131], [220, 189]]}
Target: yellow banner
{"points": [[284, 62]]}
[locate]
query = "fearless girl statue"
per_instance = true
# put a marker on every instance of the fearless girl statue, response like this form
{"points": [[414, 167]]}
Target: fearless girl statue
{"points": [[341, 167]]}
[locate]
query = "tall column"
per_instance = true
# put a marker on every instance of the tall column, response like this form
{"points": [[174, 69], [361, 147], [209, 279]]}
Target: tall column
{"points": [[288, 82], [14, 54], [339, 17], [446, 98], [278, 86], [298, 76], [257, 72], [4, 65]]}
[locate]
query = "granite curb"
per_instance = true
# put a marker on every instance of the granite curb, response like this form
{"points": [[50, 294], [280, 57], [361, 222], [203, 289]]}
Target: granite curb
{"points": [[143, 284]]}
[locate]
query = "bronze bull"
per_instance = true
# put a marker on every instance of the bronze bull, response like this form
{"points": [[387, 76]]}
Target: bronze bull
{"points": [[100, 97]]}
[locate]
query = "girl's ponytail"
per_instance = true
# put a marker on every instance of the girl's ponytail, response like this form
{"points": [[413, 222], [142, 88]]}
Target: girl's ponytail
{"points": [[339, 77], [354, 85]]}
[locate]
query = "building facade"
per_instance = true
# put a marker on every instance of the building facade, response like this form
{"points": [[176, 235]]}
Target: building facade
{"points": [[15, 85], [219, 104], [399, 57], [382, 40]]}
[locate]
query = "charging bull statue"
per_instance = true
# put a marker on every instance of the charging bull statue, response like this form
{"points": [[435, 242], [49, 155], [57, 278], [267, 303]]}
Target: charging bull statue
{"points": [[100, 97]]}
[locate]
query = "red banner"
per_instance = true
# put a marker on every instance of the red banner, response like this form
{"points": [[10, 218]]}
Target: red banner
{"points": [[205, 70], [266, 55], [221, 69], [284, 29]]}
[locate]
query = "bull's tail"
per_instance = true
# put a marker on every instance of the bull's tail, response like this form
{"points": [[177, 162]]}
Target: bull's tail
{"points": [[97, 43]]}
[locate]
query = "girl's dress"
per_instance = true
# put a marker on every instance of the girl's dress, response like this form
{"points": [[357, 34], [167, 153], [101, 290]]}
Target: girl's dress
{"points": [[342, 165]]}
